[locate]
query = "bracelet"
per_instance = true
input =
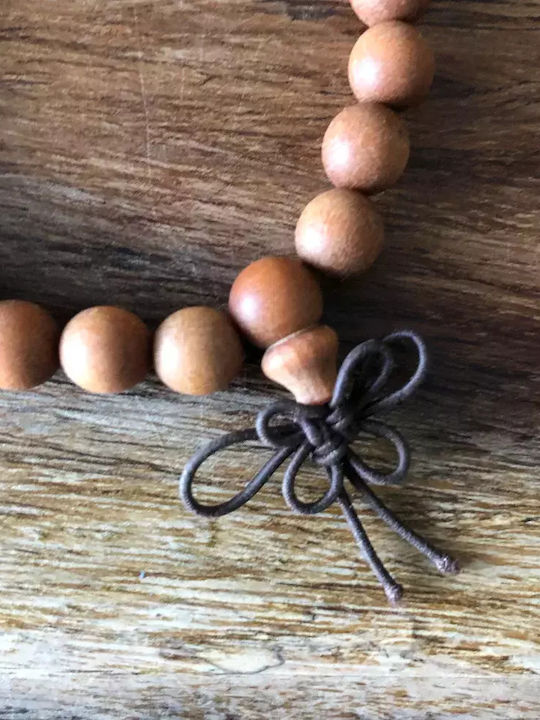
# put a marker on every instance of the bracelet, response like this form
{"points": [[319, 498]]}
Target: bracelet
{"points": [[277, 304]]}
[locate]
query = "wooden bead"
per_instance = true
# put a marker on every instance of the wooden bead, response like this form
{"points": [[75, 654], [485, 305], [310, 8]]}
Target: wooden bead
{"points": [[365, 147], [305, 363], [274, 297], [391, 63], [197, 351], [28, 345], [105, 349], [339, 232], [372, 12]]}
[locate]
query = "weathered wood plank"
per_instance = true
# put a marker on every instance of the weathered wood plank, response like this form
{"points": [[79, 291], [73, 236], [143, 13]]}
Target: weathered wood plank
{"points": [[150, 149]]}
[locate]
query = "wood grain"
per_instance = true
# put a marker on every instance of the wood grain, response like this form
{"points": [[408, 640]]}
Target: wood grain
{"points": [[149, 150]]}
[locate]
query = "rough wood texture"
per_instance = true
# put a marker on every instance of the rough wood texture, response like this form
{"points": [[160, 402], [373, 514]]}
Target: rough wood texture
{"points": [[148, 151]]}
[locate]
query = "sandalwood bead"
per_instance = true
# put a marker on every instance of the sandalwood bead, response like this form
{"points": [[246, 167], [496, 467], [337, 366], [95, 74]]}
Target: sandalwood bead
{"points": [[339, 232], [305, 363], [391, 63], [366, 147], [274, 297], [28, 345], [372, 12], [105, 349], [197, 351]]}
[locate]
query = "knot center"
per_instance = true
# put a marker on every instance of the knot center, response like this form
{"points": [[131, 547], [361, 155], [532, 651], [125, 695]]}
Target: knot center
{"points": [[328, 441]]}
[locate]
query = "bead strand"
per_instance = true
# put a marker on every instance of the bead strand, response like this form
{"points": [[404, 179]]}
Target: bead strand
{"points": [[364, 151], [366, 147], [275, 301], [105, 349]]}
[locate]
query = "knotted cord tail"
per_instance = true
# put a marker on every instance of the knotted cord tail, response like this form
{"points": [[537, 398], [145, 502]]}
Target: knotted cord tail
{"points": [[393, 590], [442, 561]]}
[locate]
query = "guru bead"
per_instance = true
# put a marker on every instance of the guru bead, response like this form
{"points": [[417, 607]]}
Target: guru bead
{"points": [[28, 345], [274, 297], [197, 351], [105, 349], [372, 12], [391, 63], [305, 363], [339, 232], [366, 147]]}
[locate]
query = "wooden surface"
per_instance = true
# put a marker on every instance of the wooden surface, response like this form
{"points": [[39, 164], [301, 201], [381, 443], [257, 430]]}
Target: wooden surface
{"points": [[150, 149]]}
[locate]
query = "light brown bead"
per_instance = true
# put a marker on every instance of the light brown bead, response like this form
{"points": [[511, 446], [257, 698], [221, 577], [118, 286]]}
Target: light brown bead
{"points": [[339, 232], [274, 297], [391, 63], [197, 351], [28, 345], [366, 147], [305, 363], [372, 12], [105, 349]]}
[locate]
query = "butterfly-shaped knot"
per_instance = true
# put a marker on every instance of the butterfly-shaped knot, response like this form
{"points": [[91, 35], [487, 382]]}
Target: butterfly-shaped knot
{"points": [[366, 388]]}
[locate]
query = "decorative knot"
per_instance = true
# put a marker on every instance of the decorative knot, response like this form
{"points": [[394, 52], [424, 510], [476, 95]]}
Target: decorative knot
{"points": [[366, 387]]}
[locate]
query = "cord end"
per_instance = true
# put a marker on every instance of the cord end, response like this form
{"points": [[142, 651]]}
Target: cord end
{"points": [[394, 593], [447, 565]]}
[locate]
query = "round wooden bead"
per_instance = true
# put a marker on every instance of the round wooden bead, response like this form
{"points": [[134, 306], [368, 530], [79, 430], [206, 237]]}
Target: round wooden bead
{"points": [[372, 12], [365, 147], [305, 363], [339, 232], [274, 297], [391, 63], [28, 345], [105, 349], [197, 351]]}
